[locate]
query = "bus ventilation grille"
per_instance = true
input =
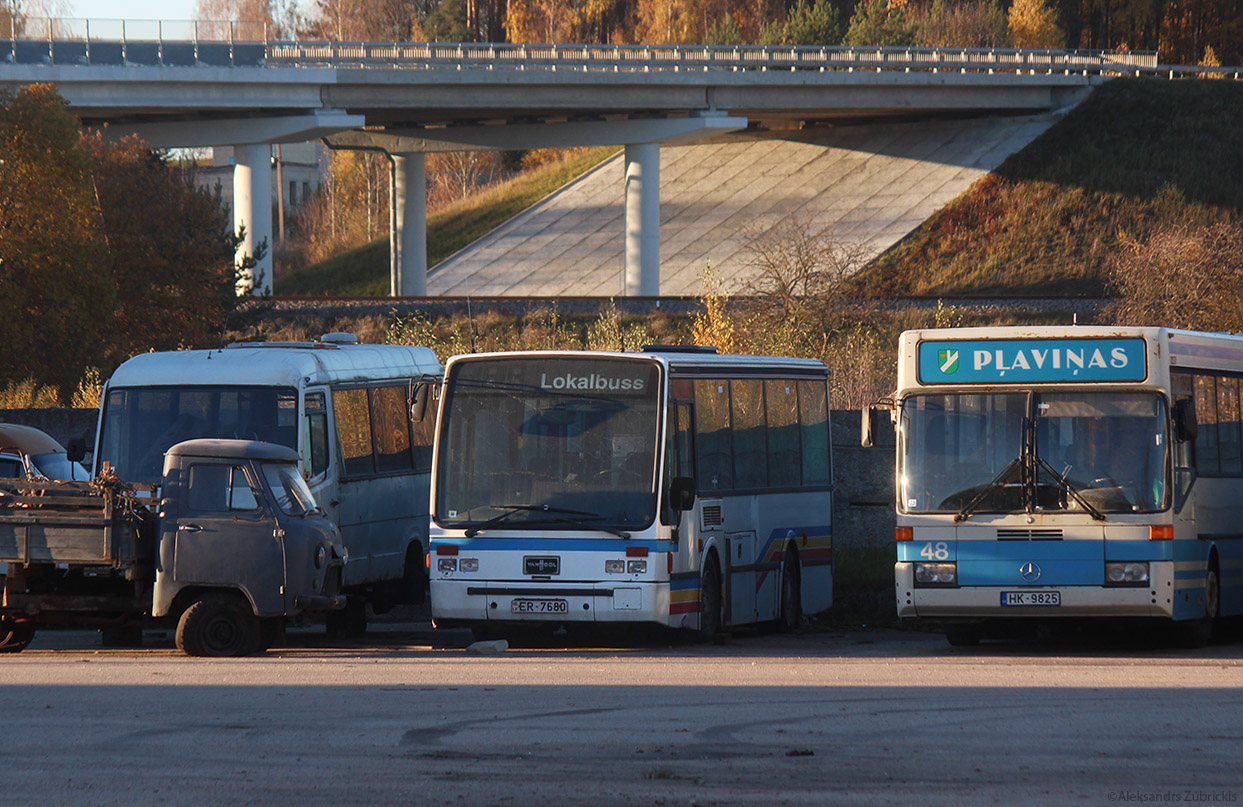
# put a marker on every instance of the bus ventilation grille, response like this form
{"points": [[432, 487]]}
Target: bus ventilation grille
{"points": [[712, 515], [1028, 535]]}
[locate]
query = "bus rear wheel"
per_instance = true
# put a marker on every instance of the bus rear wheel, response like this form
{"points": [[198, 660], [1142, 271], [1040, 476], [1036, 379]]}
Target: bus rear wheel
{"points": [[791, 615]]}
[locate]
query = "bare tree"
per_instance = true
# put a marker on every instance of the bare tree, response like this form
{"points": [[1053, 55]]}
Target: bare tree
{"points": [[797, 268], [1181, 276]]}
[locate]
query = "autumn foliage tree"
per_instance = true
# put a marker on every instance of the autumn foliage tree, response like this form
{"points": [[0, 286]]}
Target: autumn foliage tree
{"points": [[104, 251], [170, 249], [57, 295]]}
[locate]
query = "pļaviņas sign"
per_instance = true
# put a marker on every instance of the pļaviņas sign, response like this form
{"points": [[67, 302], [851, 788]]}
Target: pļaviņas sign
{"points": [[1018, 361]]}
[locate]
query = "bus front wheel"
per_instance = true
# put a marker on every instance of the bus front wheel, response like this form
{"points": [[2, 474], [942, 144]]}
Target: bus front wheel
{"points": [[963, 635], [709, 602], [1197, 632]]}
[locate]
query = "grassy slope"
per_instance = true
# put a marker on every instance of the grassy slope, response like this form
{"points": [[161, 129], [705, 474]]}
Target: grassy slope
{"points": [[364, 271], [1137, 153]]}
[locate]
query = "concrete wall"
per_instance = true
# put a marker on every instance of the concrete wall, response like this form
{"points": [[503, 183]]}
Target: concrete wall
{"points": [[863, 499], [62, 424], [862, 504]]}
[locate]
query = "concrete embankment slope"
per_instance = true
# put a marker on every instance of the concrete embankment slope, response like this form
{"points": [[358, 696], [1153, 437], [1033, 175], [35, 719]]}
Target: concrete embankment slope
{"points": [[863, 184]]}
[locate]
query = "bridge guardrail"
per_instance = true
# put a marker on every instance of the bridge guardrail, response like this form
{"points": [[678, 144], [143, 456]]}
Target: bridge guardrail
{"points": [[72, 41]]}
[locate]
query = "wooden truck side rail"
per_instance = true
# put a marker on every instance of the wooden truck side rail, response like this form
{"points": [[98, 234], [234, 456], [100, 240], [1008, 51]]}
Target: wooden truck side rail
{"points": [[95, 523]]}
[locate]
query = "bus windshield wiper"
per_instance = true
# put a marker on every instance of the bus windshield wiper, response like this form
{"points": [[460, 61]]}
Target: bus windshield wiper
{"points": [[978, 499], [1074, 493], [512, 510]]}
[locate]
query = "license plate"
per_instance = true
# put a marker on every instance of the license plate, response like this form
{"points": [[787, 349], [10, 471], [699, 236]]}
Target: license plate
{"points": [[541, 565], [1031, 598], [539, 607]]}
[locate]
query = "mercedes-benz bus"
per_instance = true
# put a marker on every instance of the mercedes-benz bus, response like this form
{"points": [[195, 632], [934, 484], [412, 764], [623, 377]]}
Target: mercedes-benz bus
{"points": [[1045, 473]]}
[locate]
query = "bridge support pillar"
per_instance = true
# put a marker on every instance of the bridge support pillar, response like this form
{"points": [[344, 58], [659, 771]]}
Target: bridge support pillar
{"points": [[252, 210], [408, 233], [642, 220]]}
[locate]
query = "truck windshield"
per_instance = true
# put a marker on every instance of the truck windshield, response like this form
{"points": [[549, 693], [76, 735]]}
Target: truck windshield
{"points": [[290, 489], [553, 442], [1094, 452], [140, 424]]}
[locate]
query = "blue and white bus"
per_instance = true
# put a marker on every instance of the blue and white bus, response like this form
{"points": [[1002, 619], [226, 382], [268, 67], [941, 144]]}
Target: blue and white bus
{"points": [[673, 487], [1056, 472]]}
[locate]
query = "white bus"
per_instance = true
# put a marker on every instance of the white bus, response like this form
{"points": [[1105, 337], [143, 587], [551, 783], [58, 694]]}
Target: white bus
{"points": [[674, 487], [345, 407], [1053, 472]]}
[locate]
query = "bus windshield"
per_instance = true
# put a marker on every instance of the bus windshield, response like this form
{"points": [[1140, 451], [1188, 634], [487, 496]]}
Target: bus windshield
{"points": [[140, 424], [1094, 452], [549, 441]]}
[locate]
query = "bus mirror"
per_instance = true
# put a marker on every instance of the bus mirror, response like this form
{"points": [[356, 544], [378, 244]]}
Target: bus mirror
{"points": [[1185, 426], [866, 438], [418, 406], [75, 449], [682, 492]]}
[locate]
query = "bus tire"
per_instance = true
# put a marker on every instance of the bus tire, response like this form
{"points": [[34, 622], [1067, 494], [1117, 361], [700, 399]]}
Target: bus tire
{"points": [[14, 637], [1198, 632], [963, 635], [709, 601], [791, 615], [121, 636], [349, 622], [218, 625]]}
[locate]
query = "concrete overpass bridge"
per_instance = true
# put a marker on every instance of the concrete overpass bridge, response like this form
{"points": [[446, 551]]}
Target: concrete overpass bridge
{"points": [[217, 84]]}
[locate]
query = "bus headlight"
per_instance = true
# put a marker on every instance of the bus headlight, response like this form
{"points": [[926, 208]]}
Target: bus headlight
{"points": [[636, 567], [936, 574], [446, 564], [1126, 573], [615, 567], [468, 565]]}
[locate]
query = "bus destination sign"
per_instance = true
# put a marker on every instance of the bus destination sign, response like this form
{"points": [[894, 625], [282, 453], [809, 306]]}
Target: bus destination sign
{"points": [[1018, 361]]}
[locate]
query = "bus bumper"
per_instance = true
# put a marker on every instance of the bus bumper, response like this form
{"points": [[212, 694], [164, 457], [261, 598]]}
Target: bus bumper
{"points": [[461, 601], [1154, 600]]}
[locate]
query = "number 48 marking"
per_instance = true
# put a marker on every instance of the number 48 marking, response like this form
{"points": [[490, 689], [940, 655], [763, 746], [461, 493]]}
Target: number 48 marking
{"points": [[935, 551]]}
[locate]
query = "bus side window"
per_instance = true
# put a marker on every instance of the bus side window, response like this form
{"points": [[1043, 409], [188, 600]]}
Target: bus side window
{"points": [[714, 443], [315, 448], [1207, 460], [390, 417], [813, 410], [354, 431], [750, 434]]}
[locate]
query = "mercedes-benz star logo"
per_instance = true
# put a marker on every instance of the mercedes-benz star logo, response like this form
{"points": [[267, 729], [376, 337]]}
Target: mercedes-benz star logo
{"points": [[1030, 572]]}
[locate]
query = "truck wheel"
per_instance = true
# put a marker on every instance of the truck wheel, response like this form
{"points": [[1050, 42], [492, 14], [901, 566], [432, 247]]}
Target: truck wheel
{"points": [[14, 638], [218, 625]]}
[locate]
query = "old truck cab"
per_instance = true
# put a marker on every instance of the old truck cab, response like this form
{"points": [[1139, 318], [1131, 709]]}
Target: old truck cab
{"points": [[241, 544]]}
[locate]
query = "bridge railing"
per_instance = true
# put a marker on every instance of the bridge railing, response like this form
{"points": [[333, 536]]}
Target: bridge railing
{"points": [[72, 41]]}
